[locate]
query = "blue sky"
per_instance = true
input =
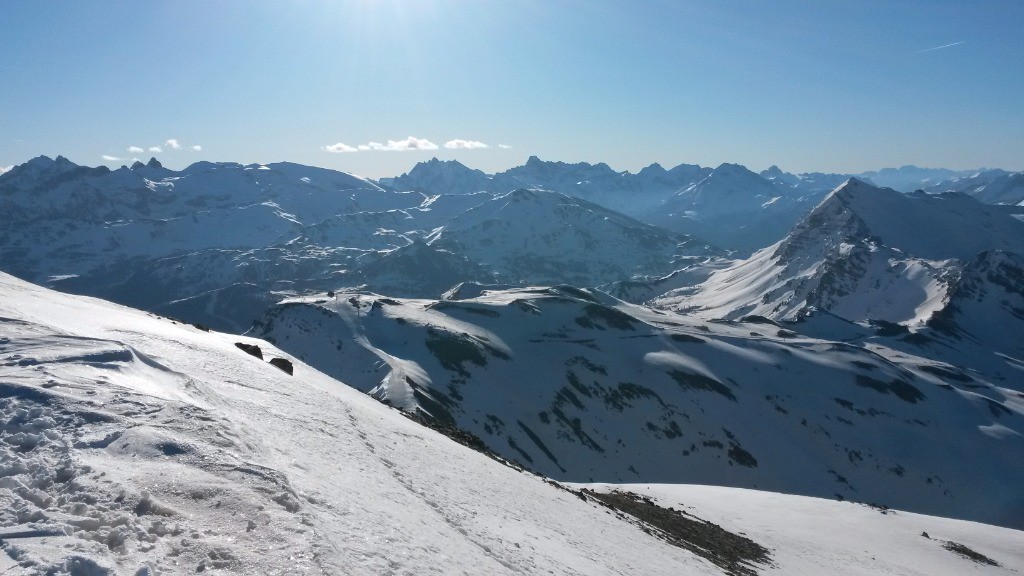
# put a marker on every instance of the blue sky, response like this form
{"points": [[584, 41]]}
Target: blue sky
{"points": [[811, 86]]}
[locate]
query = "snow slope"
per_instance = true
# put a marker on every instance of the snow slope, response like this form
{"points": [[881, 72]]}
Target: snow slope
{"points": [[825, 537], [131, 444], [582, 387]]}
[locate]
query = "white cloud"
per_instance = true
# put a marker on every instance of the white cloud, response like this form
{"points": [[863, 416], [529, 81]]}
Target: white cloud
{"points": [[135, 150], [504, 146], [338, 148], [155, 149], [410, 143], [110, 158], [464, 144], [196, 148], [5, 169], [172, 143]]}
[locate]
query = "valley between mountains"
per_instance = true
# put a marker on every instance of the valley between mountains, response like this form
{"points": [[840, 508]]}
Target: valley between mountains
{"points": [[824, 371]]}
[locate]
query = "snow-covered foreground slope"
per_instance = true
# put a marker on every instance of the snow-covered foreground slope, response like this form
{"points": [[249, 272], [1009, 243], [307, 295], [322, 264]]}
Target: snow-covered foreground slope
{"points": [[142, 442], [812, 537], [130, 444], [582, 387]]}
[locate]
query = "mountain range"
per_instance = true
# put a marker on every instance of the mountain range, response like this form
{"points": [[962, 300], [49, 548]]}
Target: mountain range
{"points": [[808, 334]]}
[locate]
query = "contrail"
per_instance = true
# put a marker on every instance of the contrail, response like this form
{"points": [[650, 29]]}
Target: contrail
{"points": [[940, 47]]}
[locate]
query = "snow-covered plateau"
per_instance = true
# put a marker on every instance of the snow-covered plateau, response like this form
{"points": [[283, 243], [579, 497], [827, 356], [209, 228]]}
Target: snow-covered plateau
{"points": [[134, 444]]}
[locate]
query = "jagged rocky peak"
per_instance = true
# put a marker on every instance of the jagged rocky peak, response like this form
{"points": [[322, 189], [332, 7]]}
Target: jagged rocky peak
{"points": [[729, 168], [652, 170], [856, 186], [534, 161], [45, 163], [154, 163], [38, 170], [434, 165]]}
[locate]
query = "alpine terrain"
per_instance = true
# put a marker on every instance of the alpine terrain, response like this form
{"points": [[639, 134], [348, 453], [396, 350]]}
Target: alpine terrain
{"points": [[558, 368]]}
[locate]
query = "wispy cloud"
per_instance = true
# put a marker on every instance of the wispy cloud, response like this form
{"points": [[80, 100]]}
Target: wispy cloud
{"points": [[196, 148], [940, 47], [5, 169], [135, 150], [464, 144], [173, 144], [110, 158], [155, 149], [504, 146], [410, 143]]}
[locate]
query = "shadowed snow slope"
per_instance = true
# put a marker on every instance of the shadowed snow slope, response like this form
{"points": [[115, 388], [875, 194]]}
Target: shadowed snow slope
{"points": [[582, 387]]}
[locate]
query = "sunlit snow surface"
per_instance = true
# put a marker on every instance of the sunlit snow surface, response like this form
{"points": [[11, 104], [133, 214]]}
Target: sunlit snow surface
{"points": [[133, 445]]}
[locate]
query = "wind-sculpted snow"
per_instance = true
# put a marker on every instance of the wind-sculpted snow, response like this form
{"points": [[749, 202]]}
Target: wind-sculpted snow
{"points": [[582, 387]]}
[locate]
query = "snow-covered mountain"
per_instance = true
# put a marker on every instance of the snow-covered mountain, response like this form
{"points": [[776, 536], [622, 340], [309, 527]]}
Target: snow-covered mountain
{"points": [[989, 186], [807, 182], [441, 176], [689, 199], [149, 236], [582, 387], [547, 237], [736, 208], [909, 178], [863, 253], [217, 243], [132, 444], [938, 276]]}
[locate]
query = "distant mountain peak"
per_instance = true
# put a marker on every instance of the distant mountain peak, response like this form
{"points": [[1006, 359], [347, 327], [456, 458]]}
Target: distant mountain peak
{"points": [[154, 163], [652, 169]]}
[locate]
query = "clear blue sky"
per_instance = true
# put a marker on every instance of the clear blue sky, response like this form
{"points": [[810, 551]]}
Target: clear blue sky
{"points": [[811, 86]]}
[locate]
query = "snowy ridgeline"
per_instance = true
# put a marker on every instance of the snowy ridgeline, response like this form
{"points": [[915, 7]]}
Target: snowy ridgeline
{"points": [[217, 243], [131, 444]]}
